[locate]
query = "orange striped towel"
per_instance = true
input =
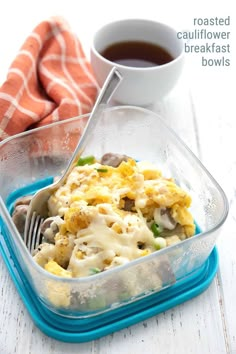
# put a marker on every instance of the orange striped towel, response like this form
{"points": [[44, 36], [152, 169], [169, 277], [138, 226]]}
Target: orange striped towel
{"points": [[49, 80]]}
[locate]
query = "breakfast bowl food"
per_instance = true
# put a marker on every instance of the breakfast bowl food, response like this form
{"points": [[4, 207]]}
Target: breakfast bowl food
{"points": [[138, 213]]}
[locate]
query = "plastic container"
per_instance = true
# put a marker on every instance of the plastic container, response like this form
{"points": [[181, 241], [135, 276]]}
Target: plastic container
{"points": [[30, 160], [79, 330]]}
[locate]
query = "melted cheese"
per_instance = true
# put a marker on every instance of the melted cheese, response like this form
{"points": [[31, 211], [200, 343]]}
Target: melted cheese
{"points": [[97, 232]]}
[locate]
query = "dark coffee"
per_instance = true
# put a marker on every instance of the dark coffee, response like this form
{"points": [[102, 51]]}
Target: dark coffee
{"points": [[137, 54]]}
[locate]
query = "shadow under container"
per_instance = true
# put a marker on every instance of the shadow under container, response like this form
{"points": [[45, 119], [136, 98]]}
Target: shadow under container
{"points": [[31, 160]]}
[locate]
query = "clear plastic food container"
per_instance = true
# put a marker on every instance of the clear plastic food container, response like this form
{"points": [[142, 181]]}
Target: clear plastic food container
{"points": [[31, 160]]}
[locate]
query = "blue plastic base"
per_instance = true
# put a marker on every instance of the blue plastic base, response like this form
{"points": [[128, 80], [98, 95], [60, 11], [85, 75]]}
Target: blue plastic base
{"points": [[84, 330]]}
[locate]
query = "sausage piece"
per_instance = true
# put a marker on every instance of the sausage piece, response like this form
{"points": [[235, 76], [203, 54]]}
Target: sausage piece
{"points": [[50, 228], [129, 204], [113, 160], [20, 211], [165, 272], [19, 217]]}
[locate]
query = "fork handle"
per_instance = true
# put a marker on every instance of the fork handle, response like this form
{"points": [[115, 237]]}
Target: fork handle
{"points": [[110, 85]]}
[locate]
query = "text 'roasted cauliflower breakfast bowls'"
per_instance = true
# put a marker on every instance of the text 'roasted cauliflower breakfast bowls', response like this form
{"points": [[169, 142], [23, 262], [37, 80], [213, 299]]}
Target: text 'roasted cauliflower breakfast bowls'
{"points": [[137, 213]]}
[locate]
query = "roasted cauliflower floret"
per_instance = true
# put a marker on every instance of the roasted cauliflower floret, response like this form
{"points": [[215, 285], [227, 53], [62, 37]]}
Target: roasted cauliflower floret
{"points": [[78, 218]]}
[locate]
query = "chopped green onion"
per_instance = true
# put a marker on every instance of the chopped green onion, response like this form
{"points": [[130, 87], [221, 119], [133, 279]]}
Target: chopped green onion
{"points": [[95, 270], [101, 169], [96, 303], [159, 243], [88, 160], [156, 229], [124, 296]]}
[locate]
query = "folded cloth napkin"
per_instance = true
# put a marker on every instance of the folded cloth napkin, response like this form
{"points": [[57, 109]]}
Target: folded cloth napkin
{"points": [[49, 80]]}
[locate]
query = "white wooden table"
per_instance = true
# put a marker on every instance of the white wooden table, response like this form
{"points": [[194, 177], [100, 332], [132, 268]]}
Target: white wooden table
{"points": [[200, 109]]}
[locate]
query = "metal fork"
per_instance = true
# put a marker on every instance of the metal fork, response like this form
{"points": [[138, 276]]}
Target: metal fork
{"points": [[38, 208]]}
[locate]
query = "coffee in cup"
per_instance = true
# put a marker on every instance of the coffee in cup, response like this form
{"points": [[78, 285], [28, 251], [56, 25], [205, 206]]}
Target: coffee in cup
{"points": [[148, 54]]}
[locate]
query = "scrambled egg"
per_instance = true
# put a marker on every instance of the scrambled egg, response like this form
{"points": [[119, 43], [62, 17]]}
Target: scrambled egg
{"points": [[112, 215]]}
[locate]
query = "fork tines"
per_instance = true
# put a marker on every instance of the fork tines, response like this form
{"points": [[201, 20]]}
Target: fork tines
{"points": [[33, 236]]}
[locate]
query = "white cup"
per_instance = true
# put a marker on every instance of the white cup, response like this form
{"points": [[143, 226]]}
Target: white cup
{"points": [[141, 85]]}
